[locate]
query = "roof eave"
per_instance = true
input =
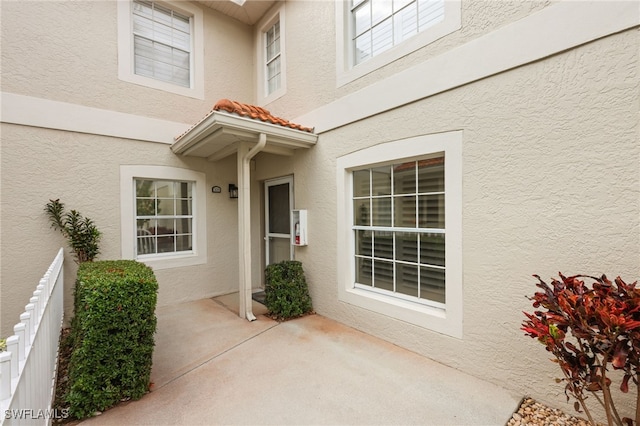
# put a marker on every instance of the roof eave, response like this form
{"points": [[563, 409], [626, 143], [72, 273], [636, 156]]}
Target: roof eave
{"points": [[219, 130]]}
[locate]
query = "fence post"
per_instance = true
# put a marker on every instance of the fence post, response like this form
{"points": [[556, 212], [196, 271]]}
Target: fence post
{"points": [[5, 375], [25, 319], [12, 348], [18, 329], [30, 308]]}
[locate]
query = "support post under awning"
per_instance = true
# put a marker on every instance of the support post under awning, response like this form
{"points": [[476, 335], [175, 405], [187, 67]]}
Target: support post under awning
{"points": [[244, 223]]}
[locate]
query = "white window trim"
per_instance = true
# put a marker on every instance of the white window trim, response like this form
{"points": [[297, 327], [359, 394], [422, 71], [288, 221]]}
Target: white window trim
{"points": [[447, 320], [267, 22], [346, 71], [128, 215], [126, 51]]}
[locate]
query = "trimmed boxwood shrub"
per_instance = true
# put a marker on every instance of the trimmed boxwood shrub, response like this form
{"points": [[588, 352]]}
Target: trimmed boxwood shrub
{"points": [[112, 334], [286, 291]]}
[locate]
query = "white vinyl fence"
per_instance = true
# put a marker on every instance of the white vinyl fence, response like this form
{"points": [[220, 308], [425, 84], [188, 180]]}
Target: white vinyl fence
{"points": [[28, 367]]}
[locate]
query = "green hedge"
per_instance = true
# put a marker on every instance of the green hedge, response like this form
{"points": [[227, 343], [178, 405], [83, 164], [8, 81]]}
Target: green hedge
{"points": [[286, 291], [112, 334]]}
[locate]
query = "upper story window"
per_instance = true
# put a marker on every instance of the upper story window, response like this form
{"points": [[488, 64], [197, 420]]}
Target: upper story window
{"points": [[160, 45], [373, 33], [271, 60], [381, 24], [272, 56]]}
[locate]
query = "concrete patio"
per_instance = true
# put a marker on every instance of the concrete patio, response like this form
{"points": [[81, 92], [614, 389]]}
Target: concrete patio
{"points": [[212, 367]]}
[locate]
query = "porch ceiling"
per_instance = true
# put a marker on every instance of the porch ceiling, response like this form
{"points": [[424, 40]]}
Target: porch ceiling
{"points": [[249, 13], [219, 133]]}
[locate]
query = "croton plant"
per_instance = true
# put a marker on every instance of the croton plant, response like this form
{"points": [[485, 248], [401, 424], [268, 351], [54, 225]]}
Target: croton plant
{"points": [[590, 329]]}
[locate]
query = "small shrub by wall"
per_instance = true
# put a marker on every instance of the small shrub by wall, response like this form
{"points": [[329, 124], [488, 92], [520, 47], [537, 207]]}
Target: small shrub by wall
{"points": [[112, 335], [286, 290]]}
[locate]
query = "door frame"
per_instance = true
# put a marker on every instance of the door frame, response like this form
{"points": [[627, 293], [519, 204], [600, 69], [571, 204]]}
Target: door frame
{"points": [[274, 182]]}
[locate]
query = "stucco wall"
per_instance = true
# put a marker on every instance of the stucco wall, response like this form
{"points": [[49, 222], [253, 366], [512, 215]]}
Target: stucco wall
{"points": [[311, 82], [550, 183], [68, 51], [84, 172]]}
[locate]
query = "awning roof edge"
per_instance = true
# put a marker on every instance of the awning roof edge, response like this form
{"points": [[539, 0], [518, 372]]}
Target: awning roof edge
{"points": [[215, 136]]}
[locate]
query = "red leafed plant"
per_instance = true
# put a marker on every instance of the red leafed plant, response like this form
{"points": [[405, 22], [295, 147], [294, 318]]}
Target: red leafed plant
{"points": [[589, 329]]}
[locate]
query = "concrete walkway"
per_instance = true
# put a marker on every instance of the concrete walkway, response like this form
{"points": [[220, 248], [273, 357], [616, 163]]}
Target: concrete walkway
{"points": [[211, 367]]}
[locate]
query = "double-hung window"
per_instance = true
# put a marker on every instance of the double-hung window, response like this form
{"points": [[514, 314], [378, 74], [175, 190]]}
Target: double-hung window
{"points": [[373, 33], [164, 216], [381, 24], [273, 58], [162, 43], [400, 230]]}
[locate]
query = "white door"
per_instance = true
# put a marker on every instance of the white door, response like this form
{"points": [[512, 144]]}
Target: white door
{"points": [[277, 218]]}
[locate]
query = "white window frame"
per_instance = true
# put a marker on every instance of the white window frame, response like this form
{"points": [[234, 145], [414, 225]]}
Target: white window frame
{"points": [[126, 67], [443, 318], [346, 69], [276, 15], [128, 236]]}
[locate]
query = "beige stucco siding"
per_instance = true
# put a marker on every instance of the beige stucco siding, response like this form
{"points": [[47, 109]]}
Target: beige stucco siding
{"points": [[311, 68], [550, 183], [84, 172], [68, 51]]}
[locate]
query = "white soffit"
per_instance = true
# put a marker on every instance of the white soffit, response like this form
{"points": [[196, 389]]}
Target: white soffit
{"points": [[218, 134], [248, 12]]}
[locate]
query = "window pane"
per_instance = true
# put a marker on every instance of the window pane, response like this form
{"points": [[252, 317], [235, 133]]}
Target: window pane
{"points": [[166, 207], [279, 210], [383, 244], [165, 227], [363, 243], [183, 207], [407, 246], [362, 18], [380, 10], [146, 244], [361, 212], [431, 175], [381, 180], [383, 275], [166, 244], [404, 178], [407, 279], [405, 211], [382, 37], [184, 242], [432, 284], [432, 249], [431, 211], [381, 211], [183, 226], [145, 207], [406, 23], [364, 271], [146, 226], [361, 183], [363, 47]]}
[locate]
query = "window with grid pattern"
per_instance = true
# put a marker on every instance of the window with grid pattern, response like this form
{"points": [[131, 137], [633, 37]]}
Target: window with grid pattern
{"points": [[399, 229], [162, 43], [164, 216], [378, 25], [273, 58]]}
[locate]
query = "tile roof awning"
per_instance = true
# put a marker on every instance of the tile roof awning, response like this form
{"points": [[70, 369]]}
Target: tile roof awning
{"points": [[218, 133]]}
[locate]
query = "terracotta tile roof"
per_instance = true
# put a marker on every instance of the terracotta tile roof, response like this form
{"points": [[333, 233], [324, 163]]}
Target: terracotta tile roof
{"points": [[256, 113], [249, 111]]}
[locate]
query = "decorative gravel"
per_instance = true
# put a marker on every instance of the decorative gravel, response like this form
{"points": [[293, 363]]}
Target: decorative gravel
{"points": [[535, 414]]}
